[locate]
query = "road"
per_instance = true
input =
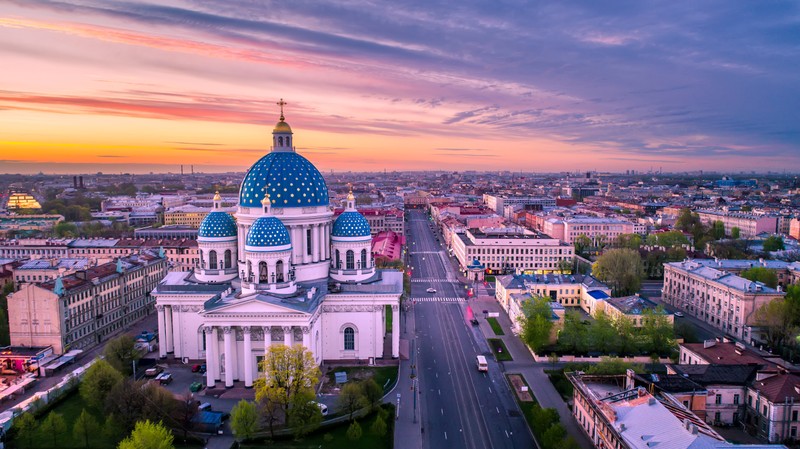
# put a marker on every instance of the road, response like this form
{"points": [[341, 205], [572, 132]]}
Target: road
{"points": [[460, 407]]}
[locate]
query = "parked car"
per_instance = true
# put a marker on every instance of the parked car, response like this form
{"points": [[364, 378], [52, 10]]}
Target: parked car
{"points": [[322, 408], [205, 406], [195, 387], [154, 371], [678, 314], [203, 368], [431, 290], [474, 321], [196, 368], [164, 378]]}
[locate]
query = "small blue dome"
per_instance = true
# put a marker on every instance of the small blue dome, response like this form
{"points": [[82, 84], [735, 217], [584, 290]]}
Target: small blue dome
{"points": [[351, 224], [267, 232], [293, 182], [217, 224]]}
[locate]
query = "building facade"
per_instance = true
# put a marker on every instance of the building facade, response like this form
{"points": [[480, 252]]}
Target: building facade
{"points": [[511, 250], [750, 225]]}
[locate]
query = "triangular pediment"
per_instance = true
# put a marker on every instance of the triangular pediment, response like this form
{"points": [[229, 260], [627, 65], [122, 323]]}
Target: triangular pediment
{"points": [[249, 306]]}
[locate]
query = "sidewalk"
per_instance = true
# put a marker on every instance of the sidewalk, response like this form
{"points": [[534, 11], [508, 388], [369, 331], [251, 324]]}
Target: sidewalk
{"points": [[407, 433], [533, 372]]}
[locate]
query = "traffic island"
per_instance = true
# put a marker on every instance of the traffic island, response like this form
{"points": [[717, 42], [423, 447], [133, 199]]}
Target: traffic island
{"points": [[499, 350], [495, 326]]}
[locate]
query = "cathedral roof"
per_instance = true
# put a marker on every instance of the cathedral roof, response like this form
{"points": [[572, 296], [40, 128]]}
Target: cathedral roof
{"points": [[217, 224], [293, 182], [351, 224], [268, 232], [282, 127]]}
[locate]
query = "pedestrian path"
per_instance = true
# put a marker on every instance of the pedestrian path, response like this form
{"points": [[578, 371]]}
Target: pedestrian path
{"points": [[437, 299]]}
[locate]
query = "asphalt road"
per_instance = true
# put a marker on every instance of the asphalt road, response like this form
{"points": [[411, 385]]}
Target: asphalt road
{"points": [[460, 407]]}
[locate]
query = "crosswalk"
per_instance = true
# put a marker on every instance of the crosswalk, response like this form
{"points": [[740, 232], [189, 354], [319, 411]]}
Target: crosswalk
{"points": [[433, 280], [413, 253], [437, 299]]}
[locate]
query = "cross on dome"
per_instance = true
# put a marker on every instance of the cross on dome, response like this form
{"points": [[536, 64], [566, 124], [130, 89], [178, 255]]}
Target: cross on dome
{"points": [[282, 104]]}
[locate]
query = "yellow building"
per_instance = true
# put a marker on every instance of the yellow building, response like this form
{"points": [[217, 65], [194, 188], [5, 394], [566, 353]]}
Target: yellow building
{"points": [[22, 201]]}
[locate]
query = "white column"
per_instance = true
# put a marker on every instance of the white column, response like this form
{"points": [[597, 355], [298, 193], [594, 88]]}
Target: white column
{"points": [[297, 244], [248, 358], [321, 229], [162, 332], [307, 337], [170, 340], [377, 338], [214, 367], [287, 335], [209, 356], [267, 339], [395, 331], [228, 356], [315, 243]]}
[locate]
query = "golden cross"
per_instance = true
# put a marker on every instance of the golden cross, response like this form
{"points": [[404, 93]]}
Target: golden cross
{"points": [[282, 104]]}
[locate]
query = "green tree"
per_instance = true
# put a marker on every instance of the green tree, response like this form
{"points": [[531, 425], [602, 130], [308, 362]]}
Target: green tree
{"points": [[565, 266], [244, 420], [622, 268], [65, 229], [121, 353], [761, 274], [373, 393], [670, 239], [378, 427], [288, 373], [773, 243], [690, 222], [304, 415], [657, 330], [148, 435], [632, 241], [54, 425], [536, 323], [611, 366], [85, 428], [113, 428], [270, 402], [553, 436], [27, 427], [779, 318], [351, 398], [735, 232], [582, 243], [354, 431], [572, 338], [602, 334], [718, 230], [99, 380]]}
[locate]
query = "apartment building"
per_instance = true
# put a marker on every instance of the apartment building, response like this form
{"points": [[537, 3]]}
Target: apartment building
{"points": [[41, 270], [499, 202], [381, 220], [750, 225], [597, 229], [82, 309], [511, 250], [567, 290], [721, 299]]}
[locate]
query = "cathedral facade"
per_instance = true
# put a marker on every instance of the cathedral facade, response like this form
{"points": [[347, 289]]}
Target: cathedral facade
{"points": [[282, 272]]}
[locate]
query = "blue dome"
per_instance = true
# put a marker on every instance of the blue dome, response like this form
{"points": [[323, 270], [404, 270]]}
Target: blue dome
{"points": [[217, 224], [293, 182], [268, 232], [351, 224]]}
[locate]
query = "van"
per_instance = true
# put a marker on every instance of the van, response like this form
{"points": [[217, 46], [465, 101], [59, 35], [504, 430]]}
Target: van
{"points": [[482, 365], [154, 371], [164, 378]]}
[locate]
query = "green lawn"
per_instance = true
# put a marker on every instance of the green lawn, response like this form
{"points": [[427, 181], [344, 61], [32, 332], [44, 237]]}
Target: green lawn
{"points": [[495, 326], [339, 440], [385, 376], [388, 314], [560, 382], [499, 350]]}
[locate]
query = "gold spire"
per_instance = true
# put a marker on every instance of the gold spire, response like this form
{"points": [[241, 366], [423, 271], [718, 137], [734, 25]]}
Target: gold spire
{"points": [[266, 199], [217, 197], [282, 104], [350, 196]]}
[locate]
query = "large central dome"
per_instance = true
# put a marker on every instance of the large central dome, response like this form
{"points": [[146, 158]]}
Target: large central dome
{"points": [[291, 179]]}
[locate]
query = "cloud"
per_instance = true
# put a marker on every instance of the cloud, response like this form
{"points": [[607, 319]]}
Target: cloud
{"points": [[460, 150], [109, 156]]}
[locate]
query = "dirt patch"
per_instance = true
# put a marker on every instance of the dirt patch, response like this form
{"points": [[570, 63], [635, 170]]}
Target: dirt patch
{"points": [[518, 382]]}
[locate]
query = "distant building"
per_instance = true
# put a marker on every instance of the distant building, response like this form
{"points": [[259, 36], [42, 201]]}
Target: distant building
{"points": [[22, 201], [189, 215], [597, 229], [499, 202], [21, 223], [42, 270], [380, 220], [566, 289], [750, 225], [80, 310], [166, 232], [511, 250]]}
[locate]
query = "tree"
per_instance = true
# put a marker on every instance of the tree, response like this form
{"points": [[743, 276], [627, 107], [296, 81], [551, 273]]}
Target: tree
{"points": [[565, 266], [26, 428], [612, 366], [603, 336], [735, 231], [85, 428], [148, 435], [572, 337], [54, 426], [773, 243], [658, 331], [761, 274], [632, 241], [582, 242], [379, 426], [288, 373], [185, 411], [536, 323], [351, 398], [99, 380], [779, 318], [718, 230], [671, 239], [244, 420], [553, 436], [622, 268], [65, 229], [126, 402], [121, 353], [354, 431], [372, 392], [690, 222], [304, 414], [271, 406]]}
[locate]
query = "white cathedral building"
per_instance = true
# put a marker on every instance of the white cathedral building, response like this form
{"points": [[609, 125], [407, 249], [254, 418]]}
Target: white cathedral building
{"points": [[282, 272]]}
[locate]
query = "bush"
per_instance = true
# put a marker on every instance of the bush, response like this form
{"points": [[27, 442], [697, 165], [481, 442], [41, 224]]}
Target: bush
{"points": [[378, 427], [354, 431]]}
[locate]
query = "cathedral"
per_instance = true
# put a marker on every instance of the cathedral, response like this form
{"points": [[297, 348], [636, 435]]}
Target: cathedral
{"points": [[282, 271]]}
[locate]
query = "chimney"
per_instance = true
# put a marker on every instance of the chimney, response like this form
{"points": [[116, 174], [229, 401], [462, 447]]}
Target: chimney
{"points": [[80, 178], [709, 344], [75, 182]]}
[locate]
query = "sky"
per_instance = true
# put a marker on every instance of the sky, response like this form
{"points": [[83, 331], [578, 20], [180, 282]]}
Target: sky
{"points": [[140, 86]]}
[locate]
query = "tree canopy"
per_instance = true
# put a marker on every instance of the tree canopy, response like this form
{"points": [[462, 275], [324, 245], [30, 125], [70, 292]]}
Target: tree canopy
{"points": [[100, 379], [245, 421], [148, 435], [621, 268], [121, 352], [536, 323], [761, 274], [774, 243]]}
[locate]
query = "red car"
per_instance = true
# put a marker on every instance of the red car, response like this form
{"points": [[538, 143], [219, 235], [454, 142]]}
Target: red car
{"points": [[195, 368]]}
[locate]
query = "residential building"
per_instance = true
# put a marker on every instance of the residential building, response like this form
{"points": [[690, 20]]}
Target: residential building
{"points": [[567, 290], [82, 309], [188, 215], [633, 308], [721, 299], [166, 232], [42, 270], [498, 202], [597, 229], [388, 245], [773, 406], [750, 225]]}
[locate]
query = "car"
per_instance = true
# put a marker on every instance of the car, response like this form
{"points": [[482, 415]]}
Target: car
{"points": [[474, 321], [154, 371], [196, 368], [195, 387], [164, 378], [322, 407], [431, 290], [205, 406], [202, 368], [678, 314]]}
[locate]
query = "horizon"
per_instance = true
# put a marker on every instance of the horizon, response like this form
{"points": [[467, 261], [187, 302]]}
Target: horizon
{"points": [[150, 85]]}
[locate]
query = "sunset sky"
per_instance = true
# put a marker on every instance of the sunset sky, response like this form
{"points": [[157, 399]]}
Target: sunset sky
{"points": [[140, 86]]}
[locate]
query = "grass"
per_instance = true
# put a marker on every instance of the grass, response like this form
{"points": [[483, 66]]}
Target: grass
{"points": [[560, 383], [385, 376], [499, 350], [388, 314], [338, 437], [495, 326]]}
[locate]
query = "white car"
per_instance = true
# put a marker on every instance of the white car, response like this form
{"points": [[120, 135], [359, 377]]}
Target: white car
{"points": [[431, 290], [679, 314], [322, 408]]}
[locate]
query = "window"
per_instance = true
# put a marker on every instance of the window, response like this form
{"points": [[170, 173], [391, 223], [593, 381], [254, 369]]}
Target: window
{"points": [[350, 260], [308, 242], [718, 400], [736, 399], [228, 258], [338, 260], [279, 271], [262, 272], [716, 417], [794, 415], [212, 260], [349, 339], [363, 258]]}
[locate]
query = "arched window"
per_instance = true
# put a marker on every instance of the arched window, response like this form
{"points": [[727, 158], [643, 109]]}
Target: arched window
{"points": [[227, 258], [212, 259], [363, 259], [279, 271], [338, 260], [262, 272], [351, 262], [280, 141], [349, 339]]}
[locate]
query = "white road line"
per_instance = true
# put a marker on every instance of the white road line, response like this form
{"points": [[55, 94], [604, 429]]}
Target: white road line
{"points": [[442, 410], [490, 390], [506, 431], [498, 409], [445, 435]]}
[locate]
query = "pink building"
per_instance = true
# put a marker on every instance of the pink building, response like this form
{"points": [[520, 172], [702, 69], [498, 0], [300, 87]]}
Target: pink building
{"points": [[388, 245]]}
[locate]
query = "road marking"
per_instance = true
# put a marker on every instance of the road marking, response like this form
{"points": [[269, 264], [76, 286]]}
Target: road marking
{"points": [[442, 410], [506, 431], [498, 409], [490, 390], [445, 435]]}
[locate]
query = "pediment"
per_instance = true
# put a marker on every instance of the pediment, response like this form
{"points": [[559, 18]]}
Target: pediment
{"points": [[249, 306]]}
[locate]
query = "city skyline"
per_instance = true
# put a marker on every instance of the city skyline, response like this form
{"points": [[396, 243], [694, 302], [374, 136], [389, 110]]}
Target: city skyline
{"points": [[94, 86]]}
